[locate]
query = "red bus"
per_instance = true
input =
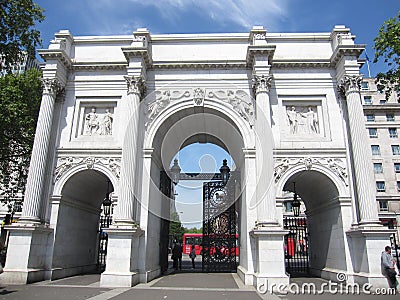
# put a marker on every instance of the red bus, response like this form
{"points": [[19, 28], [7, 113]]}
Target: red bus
{"points": [[196, 239]]}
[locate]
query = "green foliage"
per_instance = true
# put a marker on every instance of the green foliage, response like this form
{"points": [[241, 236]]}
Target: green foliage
{"points": [[20, 97], [175, 227], [387, 46], [18, 35], [194, 230]]}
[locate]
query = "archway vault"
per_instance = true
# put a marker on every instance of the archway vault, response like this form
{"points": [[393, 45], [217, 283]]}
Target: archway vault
{"points": [[327, 219], [178, 125]]}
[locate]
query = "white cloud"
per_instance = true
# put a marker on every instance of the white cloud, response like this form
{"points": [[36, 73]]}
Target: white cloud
{"points": [[242, 13]]}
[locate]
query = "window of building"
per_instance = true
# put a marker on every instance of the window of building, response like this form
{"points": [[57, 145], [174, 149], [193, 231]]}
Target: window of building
{"points": [[383, 205], [378, 168], [373, 132], [370, 118], [390, 117], [364, 85], [375, 150], [397, 167], [396, 149], [393, 132], [380, 186], [367, 100], [398, 186], [382, 101]]}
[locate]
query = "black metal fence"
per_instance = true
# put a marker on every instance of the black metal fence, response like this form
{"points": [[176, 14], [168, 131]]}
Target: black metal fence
{"points": [[297, 260], [104, 222]]}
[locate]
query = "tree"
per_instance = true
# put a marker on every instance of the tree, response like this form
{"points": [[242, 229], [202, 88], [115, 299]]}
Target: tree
{"points": [[175, 227], [18, 36], [20, 97], [387, 46]]}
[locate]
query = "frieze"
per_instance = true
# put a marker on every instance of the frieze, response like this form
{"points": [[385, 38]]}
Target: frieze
{"points": [[335, 164], [239, 100], [66, 163]]}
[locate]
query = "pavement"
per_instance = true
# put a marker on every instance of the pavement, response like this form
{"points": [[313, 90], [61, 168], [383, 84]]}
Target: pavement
{"points": [[182, 284]]}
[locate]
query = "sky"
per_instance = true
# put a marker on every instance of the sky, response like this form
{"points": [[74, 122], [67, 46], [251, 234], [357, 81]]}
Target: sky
{"points": [[119, 17], [115, 17]]}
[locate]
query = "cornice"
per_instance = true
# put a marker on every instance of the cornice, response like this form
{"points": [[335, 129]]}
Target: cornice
{"points": [[303, 63], [57, 54], [92, 66], [200, 65], [138, 51], [343, 50], [89, 152], [253, 50]]}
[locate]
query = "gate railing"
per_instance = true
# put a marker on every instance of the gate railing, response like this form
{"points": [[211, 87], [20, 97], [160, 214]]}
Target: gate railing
{"points": [[297, 260]]}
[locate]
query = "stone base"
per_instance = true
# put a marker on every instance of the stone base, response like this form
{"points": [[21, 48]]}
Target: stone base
{"points": [[27, 259], [13, 276], [366, 245], [270, 270], [119, 279], [122, 257]]}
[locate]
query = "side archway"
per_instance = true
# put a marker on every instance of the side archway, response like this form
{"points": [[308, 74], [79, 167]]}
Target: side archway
{"points": [[75, 217], [328, 215]]}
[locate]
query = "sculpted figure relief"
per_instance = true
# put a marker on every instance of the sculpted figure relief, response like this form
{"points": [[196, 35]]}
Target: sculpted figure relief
{"points": [[302, 121], [92, 122], [98, 124]]}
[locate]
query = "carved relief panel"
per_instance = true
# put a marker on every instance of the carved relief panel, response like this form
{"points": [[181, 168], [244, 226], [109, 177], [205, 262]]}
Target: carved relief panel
{"points": [[304, 118], [94, 119]]}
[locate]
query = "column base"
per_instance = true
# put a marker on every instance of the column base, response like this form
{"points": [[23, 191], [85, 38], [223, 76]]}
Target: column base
{"points": [[122, 257], [270, 259], [27, 258], [109, 279], [366, 245]]}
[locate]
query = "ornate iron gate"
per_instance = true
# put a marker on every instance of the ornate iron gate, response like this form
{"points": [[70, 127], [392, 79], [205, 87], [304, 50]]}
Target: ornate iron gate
{"points": [[104, 222], [219, 228], [296, 246]]}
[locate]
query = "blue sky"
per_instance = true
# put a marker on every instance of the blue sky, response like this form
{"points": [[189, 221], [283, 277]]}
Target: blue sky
{"points": [[113, 17]]}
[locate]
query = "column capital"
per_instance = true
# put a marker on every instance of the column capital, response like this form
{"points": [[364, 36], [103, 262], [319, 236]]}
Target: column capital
{"points": [[136, 85], [349, 84], [261, 83], [52, 87]]}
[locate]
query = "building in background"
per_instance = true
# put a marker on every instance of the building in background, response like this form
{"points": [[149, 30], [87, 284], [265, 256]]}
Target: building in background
{"points": [[382, 122]]}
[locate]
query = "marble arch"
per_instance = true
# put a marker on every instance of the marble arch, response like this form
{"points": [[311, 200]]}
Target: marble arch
{"points": [[105, 79]]}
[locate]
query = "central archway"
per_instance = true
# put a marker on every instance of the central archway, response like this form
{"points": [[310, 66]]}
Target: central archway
{"points": [[176, 127]]}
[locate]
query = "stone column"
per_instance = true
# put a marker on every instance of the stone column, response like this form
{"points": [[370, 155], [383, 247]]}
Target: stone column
{"points": [[265, 162], [349, 89], [34, 187], [125, 210]]}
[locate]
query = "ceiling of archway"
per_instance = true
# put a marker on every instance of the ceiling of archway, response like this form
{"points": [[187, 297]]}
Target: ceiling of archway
{"points": [[88, 187], [313, 187], [187, 127]]}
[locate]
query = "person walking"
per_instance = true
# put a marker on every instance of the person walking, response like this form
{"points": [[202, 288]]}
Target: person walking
{"points": [[388, 268], [177, 256], [192, 255]]}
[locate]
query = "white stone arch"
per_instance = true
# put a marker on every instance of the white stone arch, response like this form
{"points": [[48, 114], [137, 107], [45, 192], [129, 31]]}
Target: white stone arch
{"points": [[342, 188], [244, 138], [243, 125], [60, 183], [328, 212]]}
